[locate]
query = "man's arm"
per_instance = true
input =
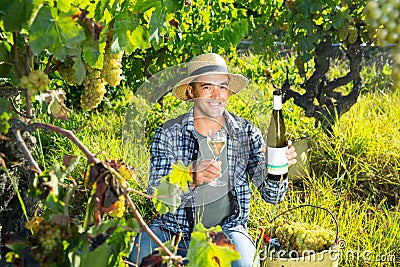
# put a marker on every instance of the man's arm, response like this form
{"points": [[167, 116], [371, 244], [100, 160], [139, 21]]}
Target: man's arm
{"points": [[162, 156]]}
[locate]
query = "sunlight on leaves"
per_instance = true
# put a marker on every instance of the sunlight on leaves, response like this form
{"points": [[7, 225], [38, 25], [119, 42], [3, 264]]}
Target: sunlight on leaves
{"points": [[166, 197], [204, 252], [55, 32], [180, 175]]}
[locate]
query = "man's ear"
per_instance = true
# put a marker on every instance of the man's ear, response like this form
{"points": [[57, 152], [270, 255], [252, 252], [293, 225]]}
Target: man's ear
{"points": [[189, 91]]}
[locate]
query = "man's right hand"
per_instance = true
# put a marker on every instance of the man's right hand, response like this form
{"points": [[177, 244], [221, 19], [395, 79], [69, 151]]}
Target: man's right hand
{"points": [[205, 171]]}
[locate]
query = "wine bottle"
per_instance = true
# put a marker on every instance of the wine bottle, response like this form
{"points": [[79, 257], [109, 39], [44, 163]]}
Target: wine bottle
{"points": [[277, 142]]}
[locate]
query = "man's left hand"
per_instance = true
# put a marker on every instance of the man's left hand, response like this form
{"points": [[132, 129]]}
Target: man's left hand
{"points": [[291, 153]]}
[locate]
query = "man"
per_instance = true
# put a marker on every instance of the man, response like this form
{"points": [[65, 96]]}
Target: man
{"points": [[209, 85]]}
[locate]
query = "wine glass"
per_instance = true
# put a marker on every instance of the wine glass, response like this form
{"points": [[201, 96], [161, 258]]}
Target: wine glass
{"points": [[216, 141]]}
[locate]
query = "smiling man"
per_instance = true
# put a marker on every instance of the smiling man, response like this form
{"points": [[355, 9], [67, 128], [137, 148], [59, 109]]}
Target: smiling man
{"points": [[241, 160]]}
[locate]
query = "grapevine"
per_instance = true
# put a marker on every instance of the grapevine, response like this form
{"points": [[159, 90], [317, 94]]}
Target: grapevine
{"points": [[37, 81], [384, 17]]}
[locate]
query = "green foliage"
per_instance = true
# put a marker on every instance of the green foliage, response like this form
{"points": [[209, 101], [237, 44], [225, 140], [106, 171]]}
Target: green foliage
{"points": [[203, 252], [303, 24], [5, 116], [167, 195], [16, 14], [55, 31]]}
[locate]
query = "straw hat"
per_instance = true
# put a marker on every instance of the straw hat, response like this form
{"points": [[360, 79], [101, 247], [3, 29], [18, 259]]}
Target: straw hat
{"points": [[208, 64]]}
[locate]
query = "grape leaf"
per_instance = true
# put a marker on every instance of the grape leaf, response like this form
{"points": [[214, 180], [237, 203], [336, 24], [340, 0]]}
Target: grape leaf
{"points": [[98, 257], [80, 70], [93, 53], [203, 252], [129, 34], [141, 6], [172, 6], [56, 32], [180, 175], [64, 5], [55, 104], [101, 7], [158, 29], [166, 196], [15, 13]]}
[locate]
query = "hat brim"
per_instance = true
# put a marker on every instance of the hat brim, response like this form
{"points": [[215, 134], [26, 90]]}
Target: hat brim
{"points": [[236, 83]]}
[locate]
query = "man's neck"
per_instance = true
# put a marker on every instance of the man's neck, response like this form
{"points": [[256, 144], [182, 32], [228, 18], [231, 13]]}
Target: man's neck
{"points": [[203, 124]]}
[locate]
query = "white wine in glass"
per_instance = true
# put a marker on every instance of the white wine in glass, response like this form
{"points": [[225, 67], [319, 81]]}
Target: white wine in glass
{"points": [[216, 140]]}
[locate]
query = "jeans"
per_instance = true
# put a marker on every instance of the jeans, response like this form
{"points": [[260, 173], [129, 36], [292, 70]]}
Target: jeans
{"points": [[144, 246]]}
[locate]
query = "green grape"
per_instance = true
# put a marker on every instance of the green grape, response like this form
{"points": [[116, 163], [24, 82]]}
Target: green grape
{"points": [[302, 236], [112, 68], [353, 34], [37, 81], [384, 14], [291, 4], [343, 33], [94, 89], [67, 72], [300, 65], [46, 243]]}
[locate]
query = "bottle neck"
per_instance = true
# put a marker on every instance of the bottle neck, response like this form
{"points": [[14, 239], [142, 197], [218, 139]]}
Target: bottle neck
{"points": [[277, 102]]}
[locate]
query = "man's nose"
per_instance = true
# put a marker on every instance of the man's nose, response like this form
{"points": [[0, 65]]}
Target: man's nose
{"points": [[216, 91]]}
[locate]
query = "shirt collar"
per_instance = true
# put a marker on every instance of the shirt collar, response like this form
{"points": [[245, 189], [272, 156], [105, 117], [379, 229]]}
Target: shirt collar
{"points": [[231, 123], [188, 122]]}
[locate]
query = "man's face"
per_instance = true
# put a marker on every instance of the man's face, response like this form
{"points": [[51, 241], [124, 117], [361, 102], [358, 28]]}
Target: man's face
{"points": [[210, 95]]}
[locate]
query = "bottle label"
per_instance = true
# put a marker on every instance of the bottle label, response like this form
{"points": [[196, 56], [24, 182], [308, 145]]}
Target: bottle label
{"points": [[277, 160], [277, 102]]}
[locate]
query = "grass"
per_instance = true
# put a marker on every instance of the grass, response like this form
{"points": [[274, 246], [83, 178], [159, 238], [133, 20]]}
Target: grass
{"points": [[354, 172]]}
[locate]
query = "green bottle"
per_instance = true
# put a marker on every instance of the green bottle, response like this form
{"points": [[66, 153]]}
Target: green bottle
{"points": [[277, 142]]}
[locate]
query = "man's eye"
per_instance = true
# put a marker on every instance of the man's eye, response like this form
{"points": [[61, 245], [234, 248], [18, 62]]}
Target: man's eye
{"points": [[223, 87], [206, 87]]}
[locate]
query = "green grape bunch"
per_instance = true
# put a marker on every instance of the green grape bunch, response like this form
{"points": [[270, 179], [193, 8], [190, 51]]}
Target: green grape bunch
{"points": [[352, 35], [46, 243], [67, 72], [343, 33], [36, 82], [111, 71], [302, 236], [94, 89], [384, 17]]}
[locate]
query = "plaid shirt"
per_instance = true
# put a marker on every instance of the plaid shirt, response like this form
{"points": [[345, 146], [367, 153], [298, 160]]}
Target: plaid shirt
{"points": [[176, 140]]}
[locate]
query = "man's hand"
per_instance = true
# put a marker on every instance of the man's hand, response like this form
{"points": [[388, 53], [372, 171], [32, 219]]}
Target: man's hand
{"points": [[205, 171], [291, 154]]}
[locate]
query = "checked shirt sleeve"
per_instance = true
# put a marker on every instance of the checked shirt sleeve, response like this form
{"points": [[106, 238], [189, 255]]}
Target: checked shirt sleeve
{"points": [[161, 159], [162, 155]]}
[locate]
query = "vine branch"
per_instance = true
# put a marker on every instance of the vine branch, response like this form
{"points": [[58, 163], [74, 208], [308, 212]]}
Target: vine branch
{"points": [[70, 135], [21, 143], [16, 61], [147, 229]]}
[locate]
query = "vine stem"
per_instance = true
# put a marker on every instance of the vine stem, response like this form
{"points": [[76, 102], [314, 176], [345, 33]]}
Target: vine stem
{"points": [[16, 61], [70, 135], [25, 150], [19, 72], [147, 229]]}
